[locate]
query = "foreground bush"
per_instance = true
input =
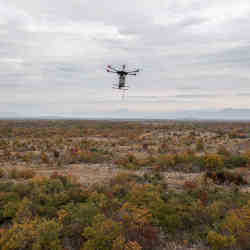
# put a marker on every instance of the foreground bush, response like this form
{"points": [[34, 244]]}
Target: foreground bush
{"points": [[234, 230], [34, 234], [131, 212]]}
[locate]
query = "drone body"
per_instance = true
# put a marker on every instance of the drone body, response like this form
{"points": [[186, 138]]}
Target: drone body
{"points": [[122, 76]]}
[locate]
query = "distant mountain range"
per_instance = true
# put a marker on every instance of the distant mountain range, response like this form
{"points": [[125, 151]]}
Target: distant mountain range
{"points": [[224, 114]]}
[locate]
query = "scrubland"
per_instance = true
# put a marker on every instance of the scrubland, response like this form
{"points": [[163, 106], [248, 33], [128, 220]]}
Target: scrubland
{"points": [[124, 185]]}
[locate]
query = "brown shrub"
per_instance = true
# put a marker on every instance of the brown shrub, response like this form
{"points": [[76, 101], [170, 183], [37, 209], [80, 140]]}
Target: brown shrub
{"points": [[27, 173], [24, 173]]}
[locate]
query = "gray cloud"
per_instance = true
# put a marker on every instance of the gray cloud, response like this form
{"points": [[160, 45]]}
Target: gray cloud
{"points": [[53, 53], [244, 94], [191, 96]]}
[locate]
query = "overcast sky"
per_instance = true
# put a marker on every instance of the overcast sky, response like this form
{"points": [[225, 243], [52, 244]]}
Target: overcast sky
{"points": [[194, 55]]}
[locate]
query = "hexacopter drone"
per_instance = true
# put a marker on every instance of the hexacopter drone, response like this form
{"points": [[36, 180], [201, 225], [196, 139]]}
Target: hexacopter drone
{"points": [[122, 76]]}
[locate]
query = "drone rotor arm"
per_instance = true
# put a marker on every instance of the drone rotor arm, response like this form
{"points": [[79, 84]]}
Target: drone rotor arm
{"points": [[110, 71], [110, 67], [134, 71]]}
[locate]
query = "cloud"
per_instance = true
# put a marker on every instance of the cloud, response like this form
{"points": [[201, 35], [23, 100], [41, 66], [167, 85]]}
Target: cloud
{"points": [[243, 94], [192, 96], [53, 54]]}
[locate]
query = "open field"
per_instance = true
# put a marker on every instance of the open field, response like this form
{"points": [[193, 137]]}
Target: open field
{"points": [[124, 185]]}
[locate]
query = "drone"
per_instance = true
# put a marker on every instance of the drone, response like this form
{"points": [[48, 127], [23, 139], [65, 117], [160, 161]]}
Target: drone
{"points": [[122, 76]]}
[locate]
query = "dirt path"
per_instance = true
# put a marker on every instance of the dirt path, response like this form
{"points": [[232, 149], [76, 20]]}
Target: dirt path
{"points": [[88, 174], [98, 173]]}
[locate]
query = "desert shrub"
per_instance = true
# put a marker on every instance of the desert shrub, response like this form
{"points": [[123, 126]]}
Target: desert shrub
{"points": [[9, 209], [34, 235], [48, 235], [128, 161], [123, 179], [44, 158], [90, 155], [75, 218], [166, 217], [25, 211], [22, 189], [132, 245], [49, 194], [48, 197], [215, 211], [1, 173], [26, 173], [190, 185], [13, 173], [223, 151], [8, 204], [185, 157], [138, 226], [222, 176], [143, 195], [195, 211], [166, 161], [218, 241], [246, 156], [233, 230], [212, 161], [234, 161], [153, 177], [27, 157], [102, 234], [6, 186], [200, 145]]}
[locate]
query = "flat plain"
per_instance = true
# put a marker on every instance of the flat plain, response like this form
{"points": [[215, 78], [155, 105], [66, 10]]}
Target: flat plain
{"points": [[149, 184]]}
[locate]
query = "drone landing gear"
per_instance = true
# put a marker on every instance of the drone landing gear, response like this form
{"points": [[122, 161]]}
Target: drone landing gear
{"points": [[123, 90], [119, 88], [126, 87]]}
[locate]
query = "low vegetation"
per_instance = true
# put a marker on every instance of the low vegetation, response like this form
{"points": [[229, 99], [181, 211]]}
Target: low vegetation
{"points": [[49, 200]]}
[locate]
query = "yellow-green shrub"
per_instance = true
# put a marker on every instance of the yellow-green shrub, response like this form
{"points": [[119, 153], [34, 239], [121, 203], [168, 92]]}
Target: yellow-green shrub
{"points": [[32, 235], [13, 173], [166, 161], [219, 241], [212, 161], [102, 234], [234, 230]]}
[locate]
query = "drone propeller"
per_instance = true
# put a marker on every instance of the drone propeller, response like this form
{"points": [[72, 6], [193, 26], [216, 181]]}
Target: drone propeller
{"points": [[134, 71], [110, 67], [110, 71]]}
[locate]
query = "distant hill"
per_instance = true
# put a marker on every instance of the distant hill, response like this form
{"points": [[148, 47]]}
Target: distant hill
{"points": [[224, 114]]}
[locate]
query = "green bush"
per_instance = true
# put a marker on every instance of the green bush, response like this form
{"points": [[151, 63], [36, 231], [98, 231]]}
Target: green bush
{"points": [[212, 161], [129, 211], [102, 234], [235, 161], [8, 205]]}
